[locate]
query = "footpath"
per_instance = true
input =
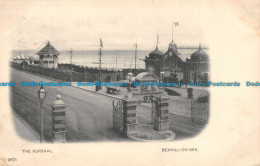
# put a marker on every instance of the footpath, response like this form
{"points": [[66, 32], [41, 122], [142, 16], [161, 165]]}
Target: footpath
{"points": [[24, 130]]}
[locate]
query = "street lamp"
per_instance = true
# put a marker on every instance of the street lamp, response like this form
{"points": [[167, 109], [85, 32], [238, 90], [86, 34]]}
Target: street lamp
{"points": [[129, 77], [162, 75], [41, 96]]}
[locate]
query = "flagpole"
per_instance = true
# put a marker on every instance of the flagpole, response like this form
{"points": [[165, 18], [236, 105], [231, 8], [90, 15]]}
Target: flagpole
{"points": [[70, 64], [100, 74], [172, 31]]}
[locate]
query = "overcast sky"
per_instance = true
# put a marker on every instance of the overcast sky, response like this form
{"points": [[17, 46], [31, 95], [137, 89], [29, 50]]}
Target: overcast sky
{"points": [[119, 24]]}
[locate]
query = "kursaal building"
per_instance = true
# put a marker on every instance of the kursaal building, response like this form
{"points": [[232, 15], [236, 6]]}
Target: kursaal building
{"points": [[189, 63]]}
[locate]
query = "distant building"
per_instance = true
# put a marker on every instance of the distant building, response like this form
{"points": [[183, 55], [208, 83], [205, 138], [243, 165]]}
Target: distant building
{"points": [[48, 56], [21, 59], [188, 63]]}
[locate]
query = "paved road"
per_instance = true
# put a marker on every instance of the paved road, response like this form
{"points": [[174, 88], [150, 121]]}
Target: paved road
{"points": [[89, 115]]}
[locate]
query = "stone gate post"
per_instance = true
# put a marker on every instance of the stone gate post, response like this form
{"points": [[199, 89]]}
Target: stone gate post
{"points": [[129, 115], [58, 120], [161, 120]]}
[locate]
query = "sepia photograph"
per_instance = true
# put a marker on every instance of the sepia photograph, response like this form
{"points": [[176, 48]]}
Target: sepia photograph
{"points": [[111, 95], [116, 82]]}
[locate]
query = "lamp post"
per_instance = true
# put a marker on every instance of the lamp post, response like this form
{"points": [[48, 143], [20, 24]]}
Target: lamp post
{"points": [[41, 96], [162, 75], [129, 76]]}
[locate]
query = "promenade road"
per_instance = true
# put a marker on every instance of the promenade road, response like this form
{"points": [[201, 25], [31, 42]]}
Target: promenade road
{"points": [[88, 116]]}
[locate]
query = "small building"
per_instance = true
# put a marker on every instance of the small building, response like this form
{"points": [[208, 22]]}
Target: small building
{"points": [[48, 56], [21, 59]]}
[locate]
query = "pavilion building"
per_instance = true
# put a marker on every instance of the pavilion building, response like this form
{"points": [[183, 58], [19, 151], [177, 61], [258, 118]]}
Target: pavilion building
{"points": [[188, 63], [48, 56]]}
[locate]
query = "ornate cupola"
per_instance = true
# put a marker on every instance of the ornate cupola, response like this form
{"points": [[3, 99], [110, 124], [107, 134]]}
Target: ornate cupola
{"points": [[172, 46], [155, 54], [151, 61], [199, 56]]}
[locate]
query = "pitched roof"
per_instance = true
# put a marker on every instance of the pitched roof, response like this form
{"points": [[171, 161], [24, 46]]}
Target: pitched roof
{"points": [[183, 52], [48, 50]]}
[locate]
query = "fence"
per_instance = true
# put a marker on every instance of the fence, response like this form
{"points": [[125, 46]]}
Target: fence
{"points": [[63, 73], [199, 111]]}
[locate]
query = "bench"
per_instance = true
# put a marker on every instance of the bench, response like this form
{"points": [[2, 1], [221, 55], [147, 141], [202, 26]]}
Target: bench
{"points": [[113, 90]]}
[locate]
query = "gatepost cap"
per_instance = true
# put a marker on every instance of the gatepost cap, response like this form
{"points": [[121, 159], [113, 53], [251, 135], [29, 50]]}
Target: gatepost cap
{"points": [[58, 97], [58, 102]]}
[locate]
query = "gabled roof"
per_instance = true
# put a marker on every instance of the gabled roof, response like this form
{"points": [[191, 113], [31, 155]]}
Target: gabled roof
{"points": [[48, 50], [184, 52], [167, 54]]}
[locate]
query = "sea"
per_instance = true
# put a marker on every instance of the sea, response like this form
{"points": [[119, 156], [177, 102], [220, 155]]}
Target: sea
{"points": [[111, 59]]}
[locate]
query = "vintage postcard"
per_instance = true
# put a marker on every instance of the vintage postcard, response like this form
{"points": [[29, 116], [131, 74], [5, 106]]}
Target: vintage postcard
{"points": [[130, 83]]}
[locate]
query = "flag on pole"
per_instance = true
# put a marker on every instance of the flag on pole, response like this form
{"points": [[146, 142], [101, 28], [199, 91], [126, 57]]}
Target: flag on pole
{"points": [[101, 43], [176, 24]]}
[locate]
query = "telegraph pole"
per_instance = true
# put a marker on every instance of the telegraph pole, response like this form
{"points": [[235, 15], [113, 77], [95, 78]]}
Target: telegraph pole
{"points": [[100, 60], [135, 54], [70, 64]]}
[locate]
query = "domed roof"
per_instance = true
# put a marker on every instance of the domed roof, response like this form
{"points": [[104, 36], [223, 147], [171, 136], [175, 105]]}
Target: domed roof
{"points": [[145, 76], [155, 53], [199, 55]]}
